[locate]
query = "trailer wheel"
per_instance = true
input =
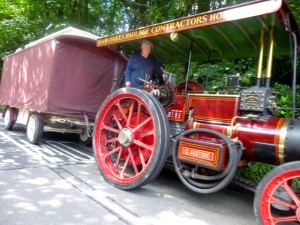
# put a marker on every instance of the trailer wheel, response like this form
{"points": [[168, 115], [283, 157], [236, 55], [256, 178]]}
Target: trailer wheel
{"points": [[34, 129], [84, 139], [10, 117], [277, 199], [129, 141]]}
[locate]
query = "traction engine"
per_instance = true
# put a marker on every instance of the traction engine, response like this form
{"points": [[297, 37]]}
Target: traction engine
{"points": [[207, 136], [213, 134]]}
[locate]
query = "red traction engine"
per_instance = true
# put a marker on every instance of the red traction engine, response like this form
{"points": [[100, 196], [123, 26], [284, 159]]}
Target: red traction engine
{"points": [[226, 131], [209, 136]]}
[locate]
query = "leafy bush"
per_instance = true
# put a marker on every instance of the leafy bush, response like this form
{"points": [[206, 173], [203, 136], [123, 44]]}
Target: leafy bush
{"points": [[255, 172], [284, 100]]}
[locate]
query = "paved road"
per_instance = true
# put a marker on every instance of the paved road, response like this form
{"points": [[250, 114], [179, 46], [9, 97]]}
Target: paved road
{"points": [[58, 182]]}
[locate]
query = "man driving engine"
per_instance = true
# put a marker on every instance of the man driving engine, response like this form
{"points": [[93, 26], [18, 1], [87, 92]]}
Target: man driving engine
{"points": [[142, 65]]}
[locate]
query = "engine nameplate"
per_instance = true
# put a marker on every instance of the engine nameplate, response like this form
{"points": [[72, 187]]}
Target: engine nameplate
{"points": [[210, 155]]}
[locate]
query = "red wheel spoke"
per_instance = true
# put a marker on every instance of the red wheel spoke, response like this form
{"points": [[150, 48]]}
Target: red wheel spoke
{"points": [[291, 192], [138, 114], [130, 113], [278, 201], [143, 145], [111, 129], [147, 134], [113, 151], [124, 167], [119, 157], [117, 122], [285, 219], [133, 161], [142, 158], [142, 124], [111, 140], [122, 112]]}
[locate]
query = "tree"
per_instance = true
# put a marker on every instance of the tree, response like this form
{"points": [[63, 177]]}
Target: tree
{"points": [[22, 21]]}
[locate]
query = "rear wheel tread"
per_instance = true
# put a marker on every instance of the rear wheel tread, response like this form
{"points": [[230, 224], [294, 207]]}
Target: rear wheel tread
{"points": [[10, 115], [34, 129]]}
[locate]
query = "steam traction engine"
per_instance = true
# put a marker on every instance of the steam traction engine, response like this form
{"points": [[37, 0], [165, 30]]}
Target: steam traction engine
{"points": [[208, 135]]}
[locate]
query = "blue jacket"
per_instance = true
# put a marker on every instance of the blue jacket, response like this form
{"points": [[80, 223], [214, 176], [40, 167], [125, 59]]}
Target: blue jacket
{"points": [[140, 67]]}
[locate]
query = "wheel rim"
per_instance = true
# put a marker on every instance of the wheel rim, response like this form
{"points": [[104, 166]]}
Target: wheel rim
{"points": [[125, 138], [84, 136], [164, 134], [7, 117], [31, 128], [280, 200]]}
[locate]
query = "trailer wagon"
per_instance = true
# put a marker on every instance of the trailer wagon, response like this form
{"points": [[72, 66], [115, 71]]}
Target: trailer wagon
{"points": [[56, 84]]}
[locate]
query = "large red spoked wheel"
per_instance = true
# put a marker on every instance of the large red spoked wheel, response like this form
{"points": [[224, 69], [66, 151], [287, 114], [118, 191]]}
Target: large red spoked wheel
{"points": [[130, 141], [277, 199]]}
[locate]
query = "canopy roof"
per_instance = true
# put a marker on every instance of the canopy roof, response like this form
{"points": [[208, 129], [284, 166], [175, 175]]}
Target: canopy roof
{"points": [[232, 32], [69, 34], [69, 31]]}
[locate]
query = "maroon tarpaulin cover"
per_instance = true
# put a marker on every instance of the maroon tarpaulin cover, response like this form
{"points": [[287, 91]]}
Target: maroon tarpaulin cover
{"points": [[67, 74]]}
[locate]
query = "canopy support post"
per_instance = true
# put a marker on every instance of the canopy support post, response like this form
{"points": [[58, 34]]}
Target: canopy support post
{"points": [[261, 55], [294, 73], [270, 58], [207, 70], [188, 69], [294, 47]]}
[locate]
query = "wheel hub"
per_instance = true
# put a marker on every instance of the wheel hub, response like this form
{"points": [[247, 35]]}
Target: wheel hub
{"points": [[125, 137]]}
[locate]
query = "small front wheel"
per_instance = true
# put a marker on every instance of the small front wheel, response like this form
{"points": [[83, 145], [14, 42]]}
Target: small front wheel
{"points": [[34, 129], [277, 199]]}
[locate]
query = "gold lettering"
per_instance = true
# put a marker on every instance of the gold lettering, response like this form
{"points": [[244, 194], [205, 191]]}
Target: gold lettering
{"points": [[143, 32], [204, 18], [162, 28], [219, 15], [216, 16], [193, 21], [172, 26], [166, 27], [157, 29], [146, 31], [182, 23], [198, 153], [199, 19]]}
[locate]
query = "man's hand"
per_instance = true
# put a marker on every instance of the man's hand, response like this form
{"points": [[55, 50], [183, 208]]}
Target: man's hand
{"points": [[165, 77], [127, 84]]}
